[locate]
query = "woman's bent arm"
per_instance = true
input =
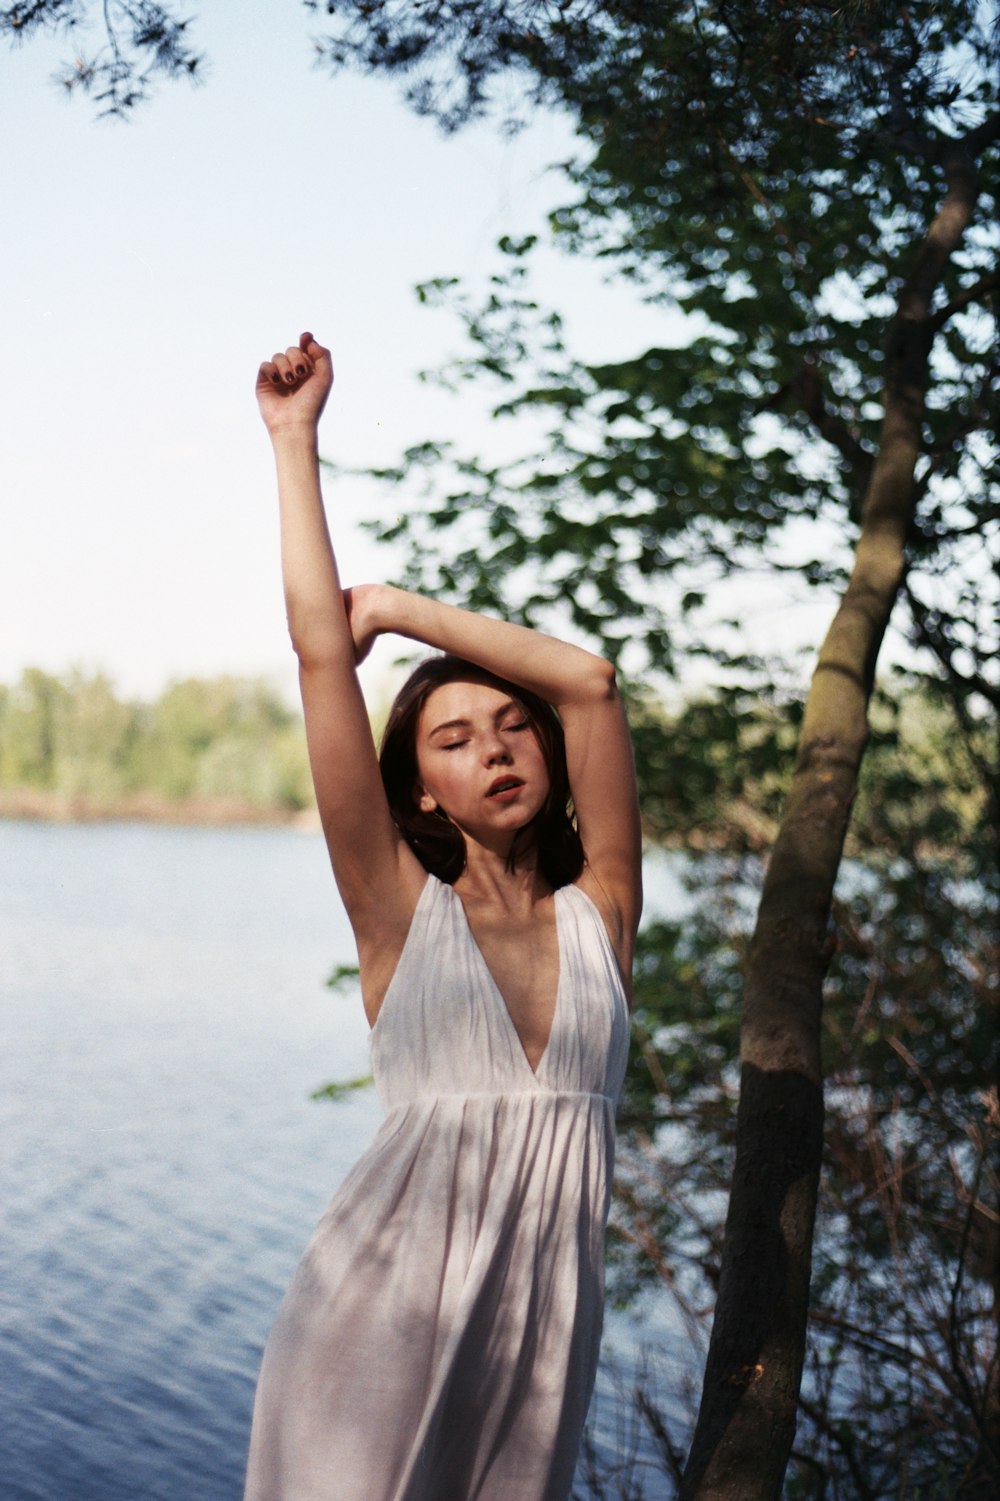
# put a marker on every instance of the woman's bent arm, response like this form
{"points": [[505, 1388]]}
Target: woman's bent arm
{"points": [[582, 688], [558, 672]]}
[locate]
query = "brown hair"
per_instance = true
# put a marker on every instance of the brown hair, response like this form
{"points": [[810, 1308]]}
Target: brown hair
{"points": [[437, 843]]}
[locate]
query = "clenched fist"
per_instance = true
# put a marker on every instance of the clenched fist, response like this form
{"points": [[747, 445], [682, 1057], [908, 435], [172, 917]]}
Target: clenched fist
{"points": [[292, 387]]}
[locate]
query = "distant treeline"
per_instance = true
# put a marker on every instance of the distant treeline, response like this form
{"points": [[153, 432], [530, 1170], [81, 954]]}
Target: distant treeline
{"points": [[223, 749], [223, 746]]}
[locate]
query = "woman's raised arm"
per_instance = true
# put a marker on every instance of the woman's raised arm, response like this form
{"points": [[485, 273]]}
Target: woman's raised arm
{"points": [[378, 876]]}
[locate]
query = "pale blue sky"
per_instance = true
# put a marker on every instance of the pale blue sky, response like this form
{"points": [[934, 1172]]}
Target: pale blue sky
{"points": [[147, 268]]}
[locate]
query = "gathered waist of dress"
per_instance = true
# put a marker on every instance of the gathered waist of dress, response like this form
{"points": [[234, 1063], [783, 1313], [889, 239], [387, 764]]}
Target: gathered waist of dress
{"points": [[432, 1097]]}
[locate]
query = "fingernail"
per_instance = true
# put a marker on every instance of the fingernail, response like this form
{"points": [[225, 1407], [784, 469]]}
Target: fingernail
{"points": [[300, 369], [276, 378], [290, 378]]}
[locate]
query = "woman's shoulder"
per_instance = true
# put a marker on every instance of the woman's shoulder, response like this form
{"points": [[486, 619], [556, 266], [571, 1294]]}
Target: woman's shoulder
{"points": [[589, 886], [383, 937], [619, 934]]}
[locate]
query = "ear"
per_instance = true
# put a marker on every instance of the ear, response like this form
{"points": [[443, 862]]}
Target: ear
{"points": [[425, 802]]}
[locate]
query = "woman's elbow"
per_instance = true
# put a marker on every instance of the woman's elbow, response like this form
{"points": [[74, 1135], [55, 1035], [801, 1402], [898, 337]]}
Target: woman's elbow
{"points": [[597, 681], [605, 679], [315, 643]]}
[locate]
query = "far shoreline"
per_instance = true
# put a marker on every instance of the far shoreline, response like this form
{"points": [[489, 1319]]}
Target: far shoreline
{"points": [[38, 805]]}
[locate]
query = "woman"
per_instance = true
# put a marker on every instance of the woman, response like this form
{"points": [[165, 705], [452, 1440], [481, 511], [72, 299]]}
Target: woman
{"points": [[440, 1336]]}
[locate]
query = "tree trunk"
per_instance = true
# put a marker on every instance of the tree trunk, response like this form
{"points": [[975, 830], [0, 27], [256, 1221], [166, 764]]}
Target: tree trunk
{"points": [[746, 1423]]}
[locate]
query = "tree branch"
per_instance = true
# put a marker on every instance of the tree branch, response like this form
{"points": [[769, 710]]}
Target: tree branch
{"points": [[808, 386], [942, 649], [943, 236], [974, 293], [838, 1434], [972, 421]]}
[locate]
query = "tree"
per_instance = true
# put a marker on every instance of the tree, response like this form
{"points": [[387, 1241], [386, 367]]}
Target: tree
{"points": [[901, 1354], [30, 713]]}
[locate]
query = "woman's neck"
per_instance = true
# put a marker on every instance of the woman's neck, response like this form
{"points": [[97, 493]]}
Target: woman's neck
{"points": [[487, 879]]}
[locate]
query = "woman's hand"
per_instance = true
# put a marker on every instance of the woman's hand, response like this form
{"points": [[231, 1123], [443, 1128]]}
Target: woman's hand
{"points": [[362, 606], [292, 387]]}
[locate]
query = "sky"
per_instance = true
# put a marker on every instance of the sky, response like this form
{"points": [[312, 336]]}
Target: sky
{"points": [[149, 266]]}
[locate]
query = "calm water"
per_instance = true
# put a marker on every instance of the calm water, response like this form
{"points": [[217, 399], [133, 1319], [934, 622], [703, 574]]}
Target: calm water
{"points": [[162, 1021]]}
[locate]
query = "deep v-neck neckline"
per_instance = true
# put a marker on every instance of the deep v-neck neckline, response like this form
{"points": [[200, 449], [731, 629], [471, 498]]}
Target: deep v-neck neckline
{"points": [[499, 995]]}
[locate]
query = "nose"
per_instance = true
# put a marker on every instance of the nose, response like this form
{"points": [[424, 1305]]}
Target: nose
{"points": [[495, 750]]}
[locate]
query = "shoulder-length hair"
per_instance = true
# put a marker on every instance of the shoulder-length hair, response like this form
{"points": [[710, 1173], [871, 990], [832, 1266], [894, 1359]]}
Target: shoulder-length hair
{"points": [[438, 844]]}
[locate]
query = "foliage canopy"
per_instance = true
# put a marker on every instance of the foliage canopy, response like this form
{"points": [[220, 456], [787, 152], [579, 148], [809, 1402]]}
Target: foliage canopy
{"points": [[140, 42], [779, 208]]}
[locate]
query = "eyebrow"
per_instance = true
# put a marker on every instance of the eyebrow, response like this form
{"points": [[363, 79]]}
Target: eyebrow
{"points": [[464, 724]]}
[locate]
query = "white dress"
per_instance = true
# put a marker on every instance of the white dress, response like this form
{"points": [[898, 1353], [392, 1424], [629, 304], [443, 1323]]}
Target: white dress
{"points": [[439, 1339]]}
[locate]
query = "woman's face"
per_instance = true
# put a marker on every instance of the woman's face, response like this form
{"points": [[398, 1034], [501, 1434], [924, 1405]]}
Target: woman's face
{"points": [[478, 760]]}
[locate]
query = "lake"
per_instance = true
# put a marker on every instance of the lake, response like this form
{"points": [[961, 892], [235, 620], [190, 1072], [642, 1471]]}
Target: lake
{"points": [[163, 1019]]}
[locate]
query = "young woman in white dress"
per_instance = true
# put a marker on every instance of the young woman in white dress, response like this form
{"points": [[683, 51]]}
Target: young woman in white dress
{"points": [[439, 1340]]}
